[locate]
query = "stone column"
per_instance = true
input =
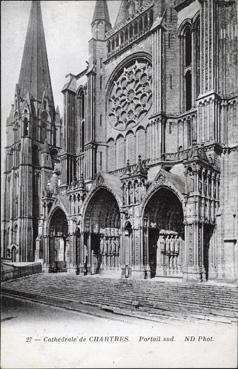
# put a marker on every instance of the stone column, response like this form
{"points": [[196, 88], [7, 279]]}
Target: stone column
{"points": [[72, 262], [160, 256], [137, 269], [193, 268], [102, 253], [46, 245], [146, 253], [105, 253], [89, 264], [78, 256], [81, 254]]}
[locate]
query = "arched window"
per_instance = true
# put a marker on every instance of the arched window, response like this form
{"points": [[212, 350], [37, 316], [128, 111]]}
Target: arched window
{"points": [[25, 127], [131, 31], [187, 67], [13, 254], [190, 64], [136, 28], [81, 104], [117, 41], [109, 46], [145, 21], [197, 55], [122, 37], [151, 17], [111, 155], [140, 25], [7, 237], [188, 89], [120, 152], [189, 133], [126, 35], [35, 156], [188, 46], [18, 151], [82, 136], [15, 234]]}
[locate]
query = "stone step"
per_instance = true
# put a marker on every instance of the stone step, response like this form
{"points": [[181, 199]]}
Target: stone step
{"points": [[156, 298], [146, 298]]}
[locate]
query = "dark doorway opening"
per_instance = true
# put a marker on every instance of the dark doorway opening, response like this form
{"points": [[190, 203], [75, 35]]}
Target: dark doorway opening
{"points": [[96, 257], [208, 230], [101, 227], [153, 239], [57, 242], [164, 219]]}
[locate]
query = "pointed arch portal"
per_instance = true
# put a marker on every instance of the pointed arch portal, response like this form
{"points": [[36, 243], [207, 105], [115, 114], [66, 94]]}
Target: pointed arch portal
{"points": [[164, 233], [58, 242], [101, 233]]}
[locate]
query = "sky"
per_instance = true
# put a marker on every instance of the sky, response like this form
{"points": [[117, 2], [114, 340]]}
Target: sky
{"points": [[67, 26]]}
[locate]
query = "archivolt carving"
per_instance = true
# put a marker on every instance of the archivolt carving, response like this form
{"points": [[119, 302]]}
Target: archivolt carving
{"points": [[131, 96]]}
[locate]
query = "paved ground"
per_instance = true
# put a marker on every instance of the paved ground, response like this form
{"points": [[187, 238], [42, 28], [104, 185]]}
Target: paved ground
{"points": [[41, 336], [142, 298]]}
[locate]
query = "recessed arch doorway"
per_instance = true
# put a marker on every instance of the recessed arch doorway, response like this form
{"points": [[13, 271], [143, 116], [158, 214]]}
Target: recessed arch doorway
{"points": [[58, 234], [164, 233], [101, 249]]}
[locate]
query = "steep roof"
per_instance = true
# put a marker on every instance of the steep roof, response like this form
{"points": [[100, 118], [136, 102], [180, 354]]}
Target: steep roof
{"points": [[123, 13], [101, 11], [131, 6], [34, 74]]}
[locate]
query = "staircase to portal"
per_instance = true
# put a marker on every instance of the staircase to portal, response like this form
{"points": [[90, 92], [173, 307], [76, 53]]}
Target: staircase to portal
{"points": [[142, 297]]}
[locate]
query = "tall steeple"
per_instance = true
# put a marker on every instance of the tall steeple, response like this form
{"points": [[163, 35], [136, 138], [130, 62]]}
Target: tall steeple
{"points": [[34, 74], [101, 20], [101, 12]]}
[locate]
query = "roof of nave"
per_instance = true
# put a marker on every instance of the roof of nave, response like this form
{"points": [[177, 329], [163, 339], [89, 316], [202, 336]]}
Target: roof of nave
{"points": [[129, 9], [136, 6]]}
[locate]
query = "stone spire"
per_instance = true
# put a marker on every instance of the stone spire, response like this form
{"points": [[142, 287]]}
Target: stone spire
{"points": [[34, 74], [101, 12]]}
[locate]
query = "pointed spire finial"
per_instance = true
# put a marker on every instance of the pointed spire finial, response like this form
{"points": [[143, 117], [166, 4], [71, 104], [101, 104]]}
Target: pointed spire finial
{"points": [[34, 75], [101, 12]]}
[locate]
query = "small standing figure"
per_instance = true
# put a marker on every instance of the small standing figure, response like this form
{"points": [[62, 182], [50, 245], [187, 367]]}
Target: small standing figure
{"points": [[176, 251], [113, 252], [167, 253], [85, 261], [101, 246], [173, 241]]}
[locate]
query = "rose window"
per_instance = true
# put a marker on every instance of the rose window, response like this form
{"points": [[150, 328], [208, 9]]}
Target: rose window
{"points": [[131, 96]]}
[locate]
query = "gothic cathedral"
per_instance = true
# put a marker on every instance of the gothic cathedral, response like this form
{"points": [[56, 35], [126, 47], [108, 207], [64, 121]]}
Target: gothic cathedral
{"points": [[139, 179]]}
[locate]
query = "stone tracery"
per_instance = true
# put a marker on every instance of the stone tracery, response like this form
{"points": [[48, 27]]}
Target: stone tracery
{"points": [[131, 96]]}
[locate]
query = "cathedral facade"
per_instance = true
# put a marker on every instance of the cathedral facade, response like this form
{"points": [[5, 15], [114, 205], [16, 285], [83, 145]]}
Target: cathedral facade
{"points": [[140, 177]]}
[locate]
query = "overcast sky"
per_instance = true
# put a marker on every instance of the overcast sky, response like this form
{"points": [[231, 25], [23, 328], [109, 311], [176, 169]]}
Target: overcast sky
{"points": [[67, 26]]}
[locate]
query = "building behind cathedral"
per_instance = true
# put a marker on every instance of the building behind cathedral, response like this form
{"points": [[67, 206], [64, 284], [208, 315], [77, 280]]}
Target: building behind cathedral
{"points": [[139, 179]]}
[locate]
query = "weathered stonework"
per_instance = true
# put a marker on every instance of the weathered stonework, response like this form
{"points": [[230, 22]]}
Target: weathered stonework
{"points": [[143, 182]]}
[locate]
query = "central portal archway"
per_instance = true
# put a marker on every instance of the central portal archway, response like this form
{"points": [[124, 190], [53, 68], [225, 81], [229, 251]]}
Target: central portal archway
{"points": [[58, 242], [163, 220], [102, 233]]}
